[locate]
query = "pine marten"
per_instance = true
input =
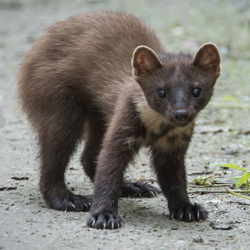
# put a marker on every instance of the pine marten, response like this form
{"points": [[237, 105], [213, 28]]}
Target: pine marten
{"points": [[105, 78]]}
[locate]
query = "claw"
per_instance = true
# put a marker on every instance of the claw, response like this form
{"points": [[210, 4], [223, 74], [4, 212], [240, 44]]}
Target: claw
{"points": [[189, 216], [90, 204], [152, 193], [104, 225], [172, 215], [181, 216], [112, 225], [70, 205], [198, 215], [93, 223]]}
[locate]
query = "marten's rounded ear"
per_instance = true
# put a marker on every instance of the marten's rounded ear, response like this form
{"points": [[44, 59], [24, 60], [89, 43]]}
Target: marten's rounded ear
{"points": [[145, 61], [208, 58]]}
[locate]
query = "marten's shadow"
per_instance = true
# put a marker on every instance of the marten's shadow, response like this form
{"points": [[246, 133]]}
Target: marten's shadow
{"points": [[149, 212]]}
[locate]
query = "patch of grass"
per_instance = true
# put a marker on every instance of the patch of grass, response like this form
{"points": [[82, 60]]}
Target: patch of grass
{"points": [[202, 180], [239, 180]]}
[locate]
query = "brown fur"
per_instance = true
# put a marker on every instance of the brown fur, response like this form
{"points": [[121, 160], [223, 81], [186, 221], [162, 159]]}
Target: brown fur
{"points": [[77, 83]]}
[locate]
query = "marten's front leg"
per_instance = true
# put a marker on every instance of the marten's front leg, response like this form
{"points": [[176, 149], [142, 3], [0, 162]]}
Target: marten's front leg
{"points": [[170, 169], [112, 161]]}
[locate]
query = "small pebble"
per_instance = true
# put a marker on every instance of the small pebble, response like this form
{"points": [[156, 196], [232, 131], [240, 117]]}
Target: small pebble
{"points": [[233, 149], [198, 239]]}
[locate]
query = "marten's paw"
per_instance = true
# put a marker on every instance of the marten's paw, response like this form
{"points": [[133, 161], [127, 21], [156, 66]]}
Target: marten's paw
{"points": [[105, 220], [188, 212], [138, 189], [67, 201]]}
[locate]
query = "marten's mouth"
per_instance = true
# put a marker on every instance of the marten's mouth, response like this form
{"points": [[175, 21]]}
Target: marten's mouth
{"points": [[181, 124], [175, 123]]}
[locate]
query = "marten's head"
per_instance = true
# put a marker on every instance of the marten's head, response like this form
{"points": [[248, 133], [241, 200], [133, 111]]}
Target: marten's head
{"points": [[177, 86]]}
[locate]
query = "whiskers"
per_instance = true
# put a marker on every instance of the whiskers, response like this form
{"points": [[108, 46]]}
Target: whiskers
{"points": [[210, 115]]}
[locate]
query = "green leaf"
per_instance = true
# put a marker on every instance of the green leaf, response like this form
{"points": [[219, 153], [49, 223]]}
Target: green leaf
{"points": [[229, 165], [247, 185], [243, 179]]}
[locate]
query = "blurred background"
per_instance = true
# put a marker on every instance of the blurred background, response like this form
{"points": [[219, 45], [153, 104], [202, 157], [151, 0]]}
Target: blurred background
{"points": [[181, 25]]}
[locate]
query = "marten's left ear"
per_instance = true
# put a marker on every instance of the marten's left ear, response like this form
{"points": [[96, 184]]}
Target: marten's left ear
{"points": [[145, 61], [208, 58]]}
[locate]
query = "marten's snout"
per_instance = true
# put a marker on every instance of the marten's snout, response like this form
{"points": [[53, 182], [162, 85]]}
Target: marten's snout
{"points": [[181, 115]]}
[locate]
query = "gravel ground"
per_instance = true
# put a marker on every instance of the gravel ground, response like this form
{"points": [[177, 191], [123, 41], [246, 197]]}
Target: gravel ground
{"points": [[222, 134]]}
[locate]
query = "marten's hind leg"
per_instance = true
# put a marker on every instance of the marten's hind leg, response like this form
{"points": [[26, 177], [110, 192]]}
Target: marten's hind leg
{"points": [[138, 189], [58, 136], [94, 132]]}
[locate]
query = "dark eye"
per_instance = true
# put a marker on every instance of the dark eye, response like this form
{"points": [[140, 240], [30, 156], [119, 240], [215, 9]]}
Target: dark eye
{"points": [[196, 92], [162, 93]]}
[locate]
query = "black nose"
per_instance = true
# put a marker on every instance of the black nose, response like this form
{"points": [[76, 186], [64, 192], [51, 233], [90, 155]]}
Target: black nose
{"points": [[181, 115]]}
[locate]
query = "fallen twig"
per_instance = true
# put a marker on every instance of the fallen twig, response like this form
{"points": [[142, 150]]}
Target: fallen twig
{"points": [[240, 203], [19, 178], [218, 191], [3, 188], [211, 186], [206, 191], [242, 196], [201, 173]]}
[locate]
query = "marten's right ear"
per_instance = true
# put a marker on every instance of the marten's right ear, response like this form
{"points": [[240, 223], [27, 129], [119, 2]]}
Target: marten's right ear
{"points": [[145, 61]]}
